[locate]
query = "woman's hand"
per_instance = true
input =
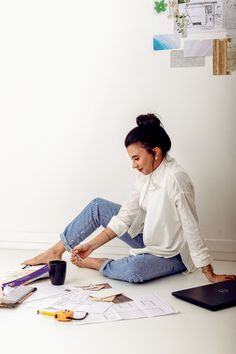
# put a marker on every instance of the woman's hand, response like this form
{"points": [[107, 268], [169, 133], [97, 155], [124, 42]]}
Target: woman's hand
{"points": [[216, 278], [82, 251]]}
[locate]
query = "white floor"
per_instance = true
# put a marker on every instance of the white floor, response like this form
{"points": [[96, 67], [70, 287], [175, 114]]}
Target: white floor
{"points": [[192, 331]]}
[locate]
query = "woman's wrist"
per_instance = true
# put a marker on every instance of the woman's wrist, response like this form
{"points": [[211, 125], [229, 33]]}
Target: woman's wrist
{"points": [[208, 270]]}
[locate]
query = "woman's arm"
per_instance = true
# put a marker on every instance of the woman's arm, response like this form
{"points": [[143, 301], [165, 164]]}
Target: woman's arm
{"points": [[183, 197]]}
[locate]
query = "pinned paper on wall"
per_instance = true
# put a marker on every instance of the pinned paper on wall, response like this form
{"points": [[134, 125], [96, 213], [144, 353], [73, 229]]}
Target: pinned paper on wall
{"points": [[231, 54], [166, 42], [173, 8], [180, 25], [230, 15], [198, 48], [203, 15], [178, 60]]}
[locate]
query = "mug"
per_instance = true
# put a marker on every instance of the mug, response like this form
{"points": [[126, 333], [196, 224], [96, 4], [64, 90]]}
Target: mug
{"points": [[57, 272]]}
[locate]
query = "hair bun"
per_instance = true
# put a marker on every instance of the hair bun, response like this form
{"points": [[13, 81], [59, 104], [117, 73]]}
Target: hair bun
{"points": [[148, 119]]}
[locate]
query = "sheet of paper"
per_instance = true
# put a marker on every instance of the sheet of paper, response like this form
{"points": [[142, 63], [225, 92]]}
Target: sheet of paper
{"points": [[199, 48], [153, 305], [202, 15], [48, 290], [231, 54], [128, 310], [107, 316], [78, 300], [45, 303], [177, 60], [143, 306], [230, 15]]}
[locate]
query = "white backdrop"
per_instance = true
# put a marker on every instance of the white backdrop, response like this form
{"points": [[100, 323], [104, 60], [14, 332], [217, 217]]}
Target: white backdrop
{"points": [[73, 77]]}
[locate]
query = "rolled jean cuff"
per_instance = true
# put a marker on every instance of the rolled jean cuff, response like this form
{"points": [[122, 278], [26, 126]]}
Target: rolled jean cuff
{"points": [[65, 243], [104, 265]]}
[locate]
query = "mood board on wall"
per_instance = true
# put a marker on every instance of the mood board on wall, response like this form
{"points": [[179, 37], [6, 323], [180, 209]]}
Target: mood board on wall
{"points": [[215, 19]]}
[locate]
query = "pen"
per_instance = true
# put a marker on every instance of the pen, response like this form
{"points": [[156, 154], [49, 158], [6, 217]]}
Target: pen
{"points": [[79, 258], [25, 266]]}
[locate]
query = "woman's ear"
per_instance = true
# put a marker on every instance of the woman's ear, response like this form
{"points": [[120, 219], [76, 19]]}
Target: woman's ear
{"points": [[156, 152]]}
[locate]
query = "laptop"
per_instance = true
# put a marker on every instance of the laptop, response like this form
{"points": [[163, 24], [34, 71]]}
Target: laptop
{"points": [[213, 297]]}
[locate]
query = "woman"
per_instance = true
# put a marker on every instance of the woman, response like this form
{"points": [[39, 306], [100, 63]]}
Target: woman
{"points": [[158, 220]]}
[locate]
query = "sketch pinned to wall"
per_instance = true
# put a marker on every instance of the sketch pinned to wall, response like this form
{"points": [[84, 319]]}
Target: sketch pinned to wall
{"points": [[198, 48], [178, 60], [160, 7], [203, 15], [166, 42]]}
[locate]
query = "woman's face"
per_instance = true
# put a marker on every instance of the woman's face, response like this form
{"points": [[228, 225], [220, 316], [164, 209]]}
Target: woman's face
{"points": [[141, 159]]}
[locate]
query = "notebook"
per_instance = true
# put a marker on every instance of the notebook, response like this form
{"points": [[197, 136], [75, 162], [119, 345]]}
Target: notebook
{"points": [[213, 297]]}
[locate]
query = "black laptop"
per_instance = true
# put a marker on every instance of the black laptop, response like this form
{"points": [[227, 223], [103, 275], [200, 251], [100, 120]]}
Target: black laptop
{"points": [[213, 297]]}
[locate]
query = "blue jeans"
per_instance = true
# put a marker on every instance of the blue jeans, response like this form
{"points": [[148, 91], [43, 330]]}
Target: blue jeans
{"points": [[134, 269]]}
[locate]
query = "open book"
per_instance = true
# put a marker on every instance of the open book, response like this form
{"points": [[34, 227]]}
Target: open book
{"points": [[25, 275]]}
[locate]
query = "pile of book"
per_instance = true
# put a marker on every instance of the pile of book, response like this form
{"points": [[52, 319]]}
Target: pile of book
{"points": [[25, 275]]}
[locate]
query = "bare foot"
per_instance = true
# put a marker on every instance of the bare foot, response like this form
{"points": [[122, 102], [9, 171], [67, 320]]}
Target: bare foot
{"points": [[52, 253], [89, 262]]}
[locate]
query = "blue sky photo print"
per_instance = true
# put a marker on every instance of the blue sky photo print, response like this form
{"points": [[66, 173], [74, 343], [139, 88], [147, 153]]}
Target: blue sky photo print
{"points": [[166, 42]]}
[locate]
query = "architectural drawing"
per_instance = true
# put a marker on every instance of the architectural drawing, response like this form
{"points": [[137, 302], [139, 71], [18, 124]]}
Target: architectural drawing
{"points": [[203, 15]]}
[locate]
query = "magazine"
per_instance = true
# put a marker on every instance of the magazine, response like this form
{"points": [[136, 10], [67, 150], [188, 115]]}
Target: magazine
{"points": [[25, 275]]}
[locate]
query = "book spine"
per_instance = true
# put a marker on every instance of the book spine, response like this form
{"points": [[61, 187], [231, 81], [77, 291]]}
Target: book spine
{"points": [[26, 278]]}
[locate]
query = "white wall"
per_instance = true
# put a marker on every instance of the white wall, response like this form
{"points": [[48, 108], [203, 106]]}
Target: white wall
{"points": [[73, 77]]}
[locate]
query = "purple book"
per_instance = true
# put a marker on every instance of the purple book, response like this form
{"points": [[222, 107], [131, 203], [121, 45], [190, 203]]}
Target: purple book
{"points": [[27, 275]]}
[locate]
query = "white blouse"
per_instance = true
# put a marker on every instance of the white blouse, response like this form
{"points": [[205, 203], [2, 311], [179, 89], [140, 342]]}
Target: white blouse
{"points": [[162, 207]]}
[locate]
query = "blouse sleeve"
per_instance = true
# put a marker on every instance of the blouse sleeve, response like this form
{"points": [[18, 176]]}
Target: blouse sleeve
{"points": [[123, 220], [182, 193]]}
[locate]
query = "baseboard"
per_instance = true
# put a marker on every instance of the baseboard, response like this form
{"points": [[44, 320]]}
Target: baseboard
{"points": [[42, 241], [222, 250], [219, 249]]}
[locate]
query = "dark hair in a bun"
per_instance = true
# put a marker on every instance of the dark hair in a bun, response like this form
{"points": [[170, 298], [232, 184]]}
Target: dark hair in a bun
{"points": [[150, 133], [147, 119]]}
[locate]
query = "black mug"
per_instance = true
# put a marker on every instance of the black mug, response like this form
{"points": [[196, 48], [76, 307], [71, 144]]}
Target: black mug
{"points": [[57, 272]]}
